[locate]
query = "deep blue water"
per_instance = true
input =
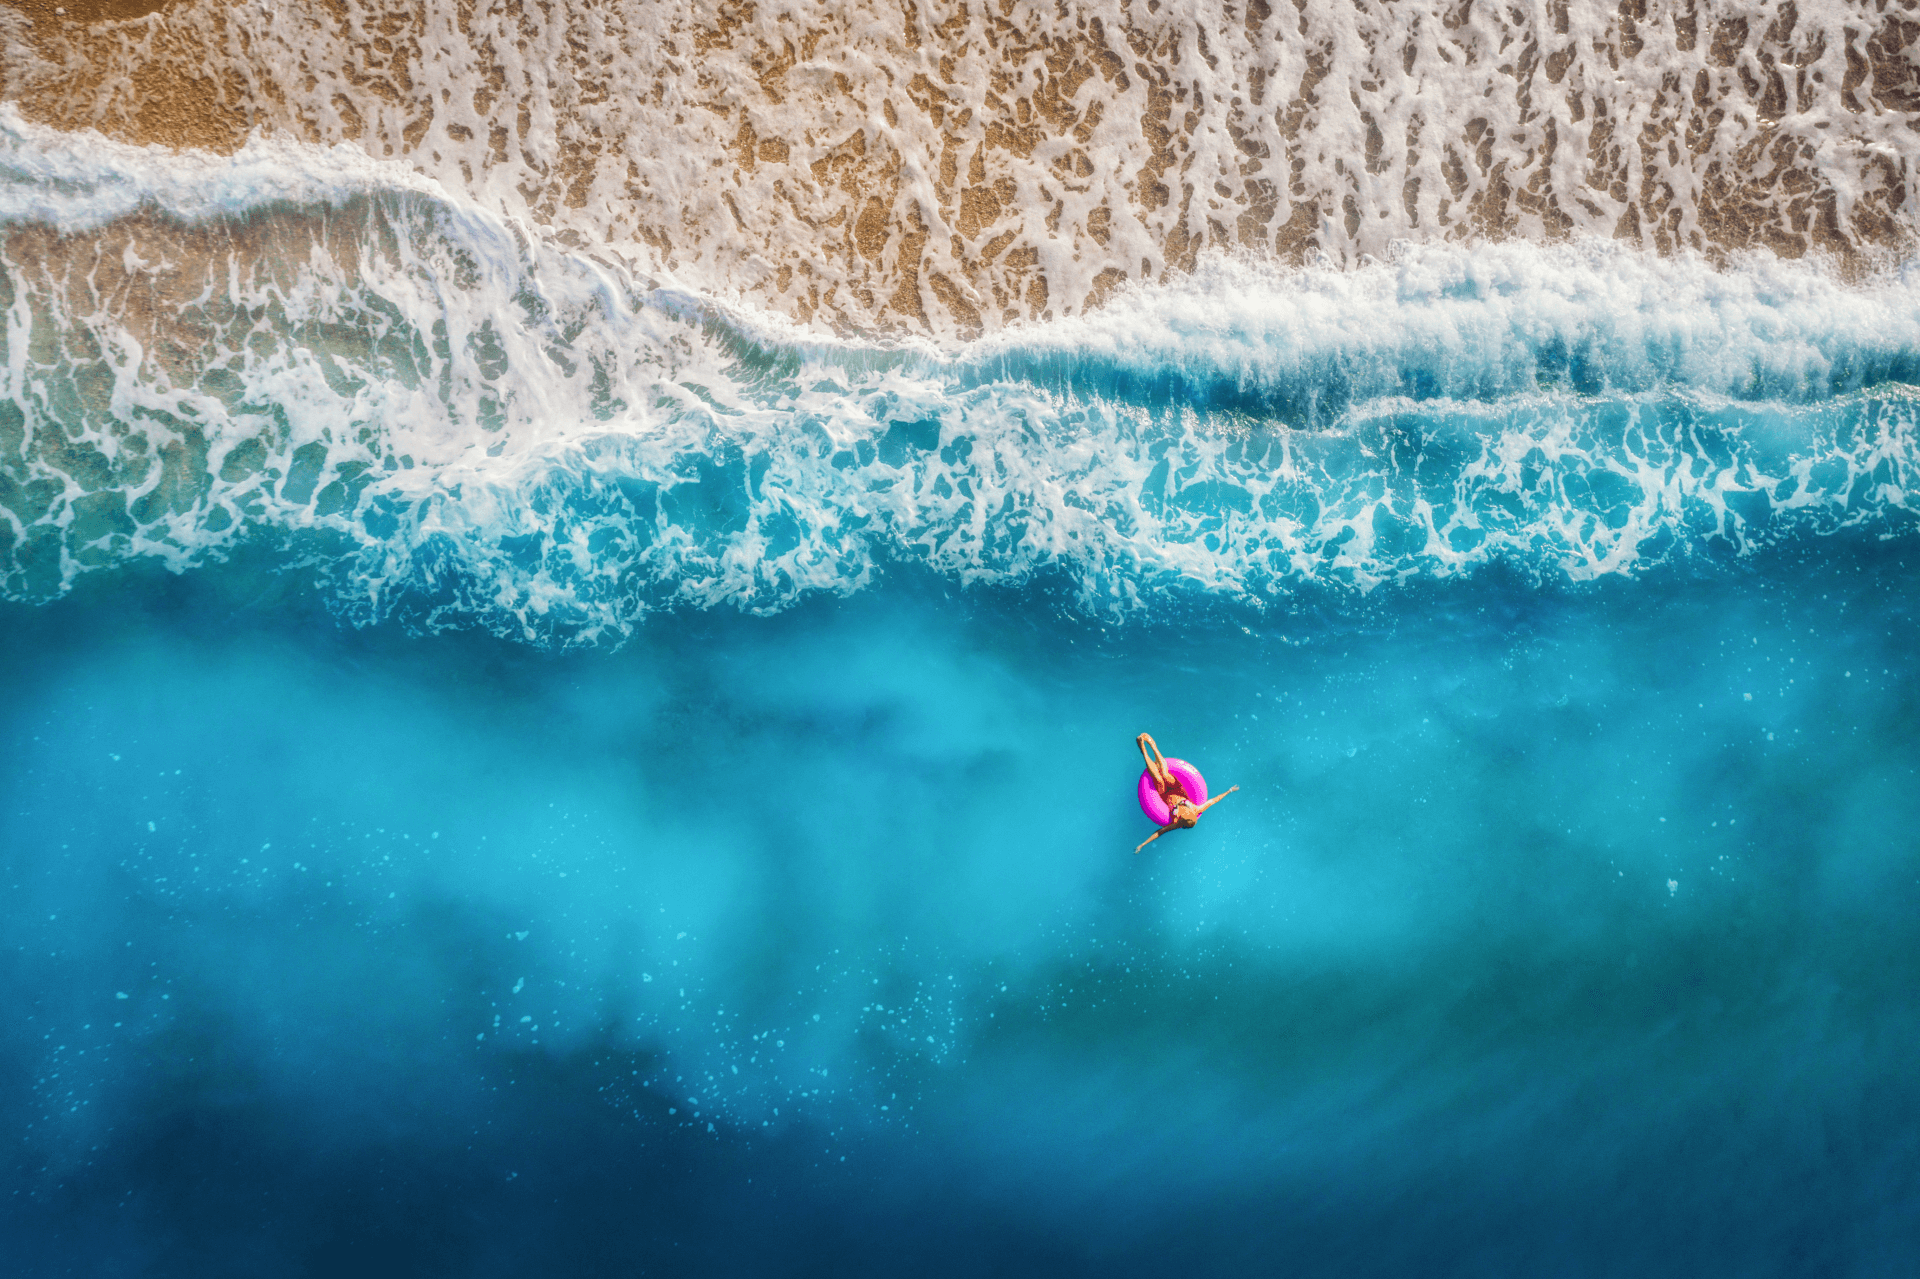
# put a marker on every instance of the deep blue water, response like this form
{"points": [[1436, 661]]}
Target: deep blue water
{"points": [[1557, 930]]}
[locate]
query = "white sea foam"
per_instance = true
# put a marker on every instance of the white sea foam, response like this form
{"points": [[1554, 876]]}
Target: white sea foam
{"points": [[79, 181], [1493, 321], [460, 419]]}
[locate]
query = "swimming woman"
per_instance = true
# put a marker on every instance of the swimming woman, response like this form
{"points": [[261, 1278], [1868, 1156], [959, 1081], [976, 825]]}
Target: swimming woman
{"points": [[1183, 813]]}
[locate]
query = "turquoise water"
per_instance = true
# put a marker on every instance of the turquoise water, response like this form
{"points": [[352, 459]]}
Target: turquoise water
{"points": [[1563, 929], [516, 766]]}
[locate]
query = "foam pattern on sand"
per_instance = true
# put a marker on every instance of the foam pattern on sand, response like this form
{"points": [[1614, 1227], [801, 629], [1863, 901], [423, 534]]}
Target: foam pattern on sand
{"points": [[949, 168], [457, 418]]}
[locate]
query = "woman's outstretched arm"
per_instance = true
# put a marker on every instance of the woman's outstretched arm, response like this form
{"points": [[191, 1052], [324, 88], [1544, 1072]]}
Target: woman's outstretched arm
{"points": [[1149, 839], [1217, 798]]}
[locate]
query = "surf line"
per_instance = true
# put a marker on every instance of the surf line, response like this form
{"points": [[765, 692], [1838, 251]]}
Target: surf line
{"points": [[1172, 792]]}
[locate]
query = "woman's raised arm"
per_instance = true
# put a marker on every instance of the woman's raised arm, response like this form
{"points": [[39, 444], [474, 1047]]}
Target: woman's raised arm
{"points": [[1155, 764]]}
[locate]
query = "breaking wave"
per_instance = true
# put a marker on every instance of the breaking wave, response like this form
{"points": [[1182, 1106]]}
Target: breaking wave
{"points": [[460, 420]]}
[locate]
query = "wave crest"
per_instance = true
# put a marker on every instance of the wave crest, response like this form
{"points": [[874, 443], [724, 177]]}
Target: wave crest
{"points": [[463, 421]]}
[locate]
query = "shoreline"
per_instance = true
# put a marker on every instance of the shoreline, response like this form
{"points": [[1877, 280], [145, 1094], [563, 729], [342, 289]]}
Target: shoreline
{"points": [[948, 173]]}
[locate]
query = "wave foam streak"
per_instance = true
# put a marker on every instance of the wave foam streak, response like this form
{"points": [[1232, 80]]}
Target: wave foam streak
{"points": [[454, 419]]}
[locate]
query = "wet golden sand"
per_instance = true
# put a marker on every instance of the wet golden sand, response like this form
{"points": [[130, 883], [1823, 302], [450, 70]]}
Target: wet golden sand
{"points": [[953, 168]]}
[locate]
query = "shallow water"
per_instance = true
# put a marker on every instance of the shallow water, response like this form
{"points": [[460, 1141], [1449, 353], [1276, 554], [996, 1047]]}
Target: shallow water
{"points": [[1553, 928]]}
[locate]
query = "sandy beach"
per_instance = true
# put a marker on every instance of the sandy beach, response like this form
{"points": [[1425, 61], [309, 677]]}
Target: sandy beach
{"points": [[950, 169]]}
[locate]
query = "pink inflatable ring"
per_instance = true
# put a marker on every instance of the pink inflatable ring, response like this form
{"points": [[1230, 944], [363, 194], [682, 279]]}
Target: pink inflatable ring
{"points": [[1190, 781]]}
